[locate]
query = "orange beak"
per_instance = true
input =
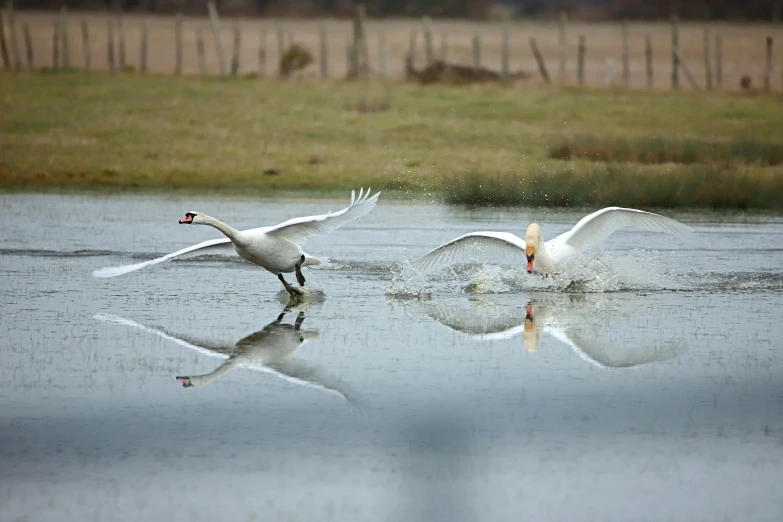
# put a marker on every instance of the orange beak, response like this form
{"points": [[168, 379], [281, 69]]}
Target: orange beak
{"points": [[530, 267], [186, 219]]}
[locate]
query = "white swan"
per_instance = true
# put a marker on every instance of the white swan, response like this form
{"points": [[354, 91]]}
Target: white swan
{"points": [[507, 248], [277, 249], [269, 350]]}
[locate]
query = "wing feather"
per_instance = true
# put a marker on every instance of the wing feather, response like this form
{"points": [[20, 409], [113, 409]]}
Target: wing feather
{"points": [[298, 230], [500, 248], [598, 226], [114, 271]]}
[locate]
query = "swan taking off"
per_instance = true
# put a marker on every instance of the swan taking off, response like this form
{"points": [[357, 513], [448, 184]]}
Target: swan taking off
{"points": [[277, 249], [507, 248]]}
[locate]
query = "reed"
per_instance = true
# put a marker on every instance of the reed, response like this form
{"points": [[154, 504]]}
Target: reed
{"points": [[693, 186], [656, 150]]}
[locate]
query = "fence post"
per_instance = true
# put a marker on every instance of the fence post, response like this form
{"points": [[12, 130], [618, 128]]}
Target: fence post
{"points": [[14, 41], [707, 60], [504, 51], [426, 24], [3, 45], [718, 61], [120, 37], [688, 75], [648, 58], [626, 71], [235, 50], [540, 61], [609, 74], [143, 51], [580, 62], [675, 53], [562, 46], [324, 53], [56, 46], [110, 44], [64, 34], [86, 46], [476, 52], [768, 68], [382, 55], [178, 45], [412, 46], [28, 43], [215, 20], [280, 36], [200, 52], [262, 53], [444, 47]]}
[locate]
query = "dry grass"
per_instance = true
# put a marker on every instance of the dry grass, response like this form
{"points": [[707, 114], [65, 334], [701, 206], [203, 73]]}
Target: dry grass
{"points": [[743, 45], [661, 150]]}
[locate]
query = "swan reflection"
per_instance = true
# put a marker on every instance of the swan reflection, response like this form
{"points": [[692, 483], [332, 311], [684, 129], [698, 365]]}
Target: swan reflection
{"points": [[606, 331], [270, 350]]}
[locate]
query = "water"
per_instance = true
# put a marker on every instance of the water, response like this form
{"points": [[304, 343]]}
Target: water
{"points": [[647, 384]]}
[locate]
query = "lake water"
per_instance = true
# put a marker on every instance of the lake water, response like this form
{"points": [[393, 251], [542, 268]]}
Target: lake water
{"points": [[646, 385]]}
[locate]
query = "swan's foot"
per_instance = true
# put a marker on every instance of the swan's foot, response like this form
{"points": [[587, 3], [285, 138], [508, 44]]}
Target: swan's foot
{"points": [[185, 382], [294, 292], [299, 277]]}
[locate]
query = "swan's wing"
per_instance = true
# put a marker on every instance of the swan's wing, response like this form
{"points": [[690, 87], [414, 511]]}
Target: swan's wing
{"points": [[299, 372], [298, 230], [206, 348], [500, 248], [114, 271], [599, 225]]}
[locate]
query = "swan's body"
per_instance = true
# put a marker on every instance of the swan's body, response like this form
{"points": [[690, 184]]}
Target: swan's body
{"points": [[585, 328], [269, 350], [278, 248], [507, 248]]}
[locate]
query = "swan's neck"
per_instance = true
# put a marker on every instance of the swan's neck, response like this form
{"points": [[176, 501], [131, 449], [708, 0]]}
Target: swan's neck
{"points": [[201, 380], [229, 231]]}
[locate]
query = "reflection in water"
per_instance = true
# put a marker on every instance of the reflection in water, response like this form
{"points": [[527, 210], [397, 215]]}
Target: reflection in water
{"points": [[269, 350], [599, 329]]}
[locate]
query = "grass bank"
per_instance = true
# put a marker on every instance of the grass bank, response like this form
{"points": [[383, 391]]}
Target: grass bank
{"points": [[127, 131]]}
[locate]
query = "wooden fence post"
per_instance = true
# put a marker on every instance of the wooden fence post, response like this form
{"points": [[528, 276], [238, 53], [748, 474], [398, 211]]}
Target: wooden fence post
{"points": [[504, 51], [143, 50], [476, 52], [688, 75], [56, 46], [12, 29], [540, 61], [178, 45], [200, 53], [609, 74], [4, 45], [28, 43], [235, 50], [707, 60], [626, 67], [768, 68], [562, 47], [426, 24], [324, 53], [382, 55], [648, 58], [64, 34], [359, 63], [215, 21], [675, 53], [110, 44], [718, 61], [280, 36], [120, 38], [580, 62], [86, 46]]}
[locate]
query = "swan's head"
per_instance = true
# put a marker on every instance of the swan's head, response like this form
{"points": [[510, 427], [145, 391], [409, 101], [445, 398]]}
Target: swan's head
{"points": [[192, 218], [531, 335], [533, 238]]}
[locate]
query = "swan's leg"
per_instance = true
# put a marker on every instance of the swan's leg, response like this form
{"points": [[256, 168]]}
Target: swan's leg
{"points": [[185, 382], [299, 321], [298, 266], [290, 289]]}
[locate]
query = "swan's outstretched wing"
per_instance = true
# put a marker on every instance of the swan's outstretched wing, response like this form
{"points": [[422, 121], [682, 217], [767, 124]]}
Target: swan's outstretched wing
{"points": [[299, 372], [500, 248], [213, 350], [298, 230], [599, 225], [114, 271]]}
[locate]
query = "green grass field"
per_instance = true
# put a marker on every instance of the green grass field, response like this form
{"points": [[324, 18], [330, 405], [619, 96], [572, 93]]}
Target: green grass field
{"points": [[98, 131]]}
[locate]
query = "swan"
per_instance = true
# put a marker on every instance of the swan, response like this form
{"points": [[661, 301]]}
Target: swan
{"points": [[584, 327], [269, 350], [278, 249], [505, 247]]}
